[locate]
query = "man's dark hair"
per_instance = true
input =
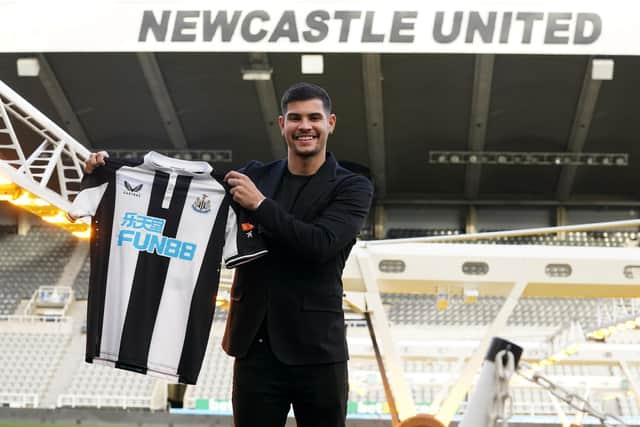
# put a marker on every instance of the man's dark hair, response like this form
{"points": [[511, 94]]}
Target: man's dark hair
{"points": [[303, 92]]}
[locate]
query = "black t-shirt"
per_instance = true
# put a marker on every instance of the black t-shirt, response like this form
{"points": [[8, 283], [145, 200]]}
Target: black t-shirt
{"points": [[286, 196], [290, 188]]}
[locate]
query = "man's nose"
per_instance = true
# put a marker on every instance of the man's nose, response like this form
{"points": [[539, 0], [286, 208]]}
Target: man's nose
{"points": [[305, 124]]}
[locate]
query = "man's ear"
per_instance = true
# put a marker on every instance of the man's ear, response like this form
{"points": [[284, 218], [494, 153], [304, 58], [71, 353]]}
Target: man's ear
{"points": [[332, 122], [281, 124]]}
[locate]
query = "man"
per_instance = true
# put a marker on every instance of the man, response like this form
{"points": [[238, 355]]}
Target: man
{"points": [[286, 325]]}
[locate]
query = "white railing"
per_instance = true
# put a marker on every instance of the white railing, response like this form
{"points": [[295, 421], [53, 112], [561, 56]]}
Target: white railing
{"points": [[19, 400], [530, 408], [23, 318], [35, 324], [103, 401], [537, 408]]}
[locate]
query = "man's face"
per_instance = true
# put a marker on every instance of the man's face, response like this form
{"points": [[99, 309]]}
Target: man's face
{"points": [[306, 127]]}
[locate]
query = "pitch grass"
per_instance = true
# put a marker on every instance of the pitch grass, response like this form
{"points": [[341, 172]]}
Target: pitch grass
{"points": [[48, 424]]}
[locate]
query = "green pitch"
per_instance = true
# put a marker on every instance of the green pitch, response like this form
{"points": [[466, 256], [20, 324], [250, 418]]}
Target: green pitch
{"points": [[45, 424]]}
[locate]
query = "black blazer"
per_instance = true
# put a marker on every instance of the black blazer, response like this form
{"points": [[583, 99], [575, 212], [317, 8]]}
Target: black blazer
{"points": [[298, 285]]}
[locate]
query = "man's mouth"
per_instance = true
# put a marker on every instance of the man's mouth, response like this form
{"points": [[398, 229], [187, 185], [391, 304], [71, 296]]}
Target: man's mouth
{"points": [[304, 138]]}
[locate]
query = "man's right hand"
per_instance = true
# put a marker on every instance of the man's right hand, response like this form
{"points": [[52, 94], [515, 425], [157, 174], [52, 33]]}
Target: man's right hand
{"points": [[95, 160]]}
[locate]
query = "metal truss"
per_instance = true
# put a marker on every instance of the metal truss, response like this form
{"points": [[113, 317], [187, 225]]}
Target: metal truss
{"points": [[416, 266], [51, 171]]}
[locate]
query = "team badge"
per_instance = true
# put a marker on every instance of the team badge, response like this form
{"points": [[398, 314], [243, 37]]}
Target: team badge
{"points": [[202, 204]]}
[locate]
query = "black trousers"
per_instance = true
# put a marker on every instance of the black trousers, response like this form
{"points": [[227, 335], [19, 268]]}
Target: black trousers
{"points": [[264, 388]]}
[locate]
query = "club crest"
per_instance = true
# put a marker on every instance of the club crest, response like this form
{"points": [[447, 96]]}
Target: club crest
{"points": [[202, 204]]}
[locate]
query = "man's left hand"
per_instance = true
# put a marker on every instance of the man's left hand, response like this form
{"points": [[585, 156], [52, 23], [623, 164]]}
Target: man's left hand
{"points": [[244, 191]]}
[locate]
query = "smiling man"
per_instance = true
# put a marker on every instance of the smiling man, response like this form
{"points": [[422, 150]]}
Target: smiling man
{"points": [[286, 325]]}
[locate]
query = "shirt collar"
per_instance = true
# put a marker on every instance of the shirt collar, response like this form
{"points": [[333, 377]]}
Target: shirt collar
{"points": [[156, 161]]}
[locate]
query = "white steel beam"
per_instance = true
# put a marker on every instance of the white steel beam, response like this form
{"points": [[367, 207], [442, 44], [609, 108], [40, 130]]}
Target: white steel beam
{"points": [[457, 392], [560, 412], [59, 152], [633, 380], [421, 268], [6, 127], [401, 393]]}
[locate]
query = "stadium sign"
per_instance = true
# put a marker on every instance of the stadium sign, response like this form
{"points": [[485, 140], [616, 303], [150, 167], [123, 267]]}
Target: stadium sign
{"points": [[482, 26]]}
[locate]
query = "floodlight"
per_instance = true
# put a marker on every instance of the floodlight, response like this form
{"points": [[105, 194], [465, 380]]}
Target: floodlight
{"points": [[602, 69], [28, 67], [312, 64], [256, 73]]}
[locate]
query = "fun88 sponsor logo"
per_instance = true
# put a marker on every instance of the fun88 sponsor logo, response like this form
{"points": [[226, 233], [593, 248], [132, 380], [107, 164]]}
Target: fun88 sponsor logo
{"points": [[145, 234]]}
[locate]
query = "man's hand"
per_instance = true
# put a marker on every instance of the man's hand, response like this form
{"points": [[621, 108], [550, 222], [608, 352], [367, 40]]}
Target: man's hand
{"points": [[244, 191], [95, 160]]}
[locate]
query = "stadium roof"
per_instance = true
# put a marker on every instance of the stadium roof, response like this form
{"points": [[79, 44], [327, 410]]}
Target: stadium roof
{"points": [[393, 111], [468, 102]]}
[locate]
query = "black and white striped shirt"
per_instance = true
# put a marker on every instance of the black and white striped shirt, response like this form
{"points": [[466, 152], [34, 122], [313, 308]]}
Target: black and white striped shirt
{"points": [[160, 229]]}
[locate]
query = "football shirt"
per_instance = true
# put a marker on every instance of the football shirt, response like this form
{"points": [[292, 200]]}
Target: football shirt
{"points": [[160, 229]]}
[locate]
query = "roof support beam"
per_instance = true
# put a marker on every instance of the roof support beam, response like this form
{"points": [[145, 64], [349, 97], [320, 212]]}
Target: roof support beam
{"points": [[514, 200], [70, 121], [269, 106], [373, 99], [379, 220], [579, 130], [482, 79], [471, 220], [161, 97]]}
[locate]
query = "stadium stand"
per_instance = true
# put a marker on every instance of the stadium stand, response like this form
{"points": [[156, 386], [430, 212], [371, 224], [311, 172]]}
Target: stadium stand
{"points": [[580, 238], [103, 386], [99, 386], [8, 301], [28, 362], [399, 233], [406, 309], [366, 387], [214, 381], [30, 261], [81, 283], [28, 369]]}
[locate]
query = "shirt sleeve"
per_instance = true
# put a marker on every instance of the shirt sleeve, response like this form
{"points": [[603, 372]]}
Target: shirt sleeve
{"points": [[242, 243], [88, 199]]}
